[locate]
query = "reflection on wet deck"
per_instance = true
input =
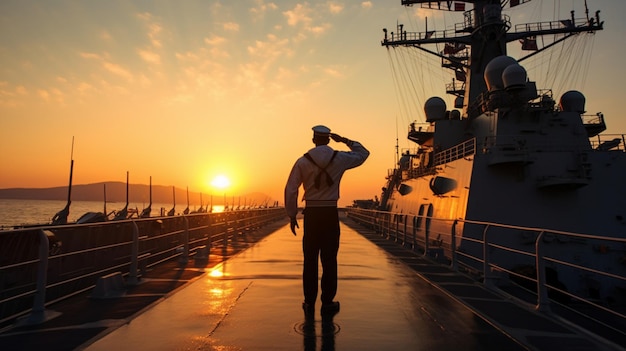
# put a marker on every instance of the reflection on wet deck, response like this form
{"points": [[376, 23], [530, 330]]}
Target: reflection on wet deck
{"points": [[253, 302]]}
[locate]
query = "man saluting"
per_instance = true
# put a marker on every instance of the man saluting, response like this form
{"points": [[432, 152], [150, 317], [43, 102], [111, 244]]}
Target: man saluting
{"points": [[320, 171]]}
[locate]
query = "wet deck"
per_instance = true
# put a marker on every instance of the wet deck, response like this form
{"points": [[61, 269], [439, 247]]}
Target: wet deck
{"points": [[252, 301]]}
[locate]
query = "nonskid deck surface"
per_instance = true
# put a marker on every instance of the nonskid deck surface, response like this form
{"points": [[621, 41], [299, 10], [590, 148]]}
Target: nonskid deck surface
{"points": [[252, 301]]}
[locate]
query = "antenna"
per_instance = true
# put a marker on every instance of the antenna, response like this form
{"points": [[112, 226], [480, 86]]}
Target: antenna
{"points": [[61, 216], [69, 190], [397, 159], [104, 186]]}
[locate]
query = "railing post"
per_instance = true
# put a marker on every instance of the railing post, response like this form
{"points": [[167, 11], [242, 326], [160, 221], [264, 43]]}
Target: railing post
{"points": [[543, 302], [134, 256], [396, 226], [237, 224], [209, 239], [382, 223], [406, 217], [225, 243], [426, 240], [385, 225], [488, 278], [42, 275], [453, 262], [414, 232], [39, 314], [184, 258]]}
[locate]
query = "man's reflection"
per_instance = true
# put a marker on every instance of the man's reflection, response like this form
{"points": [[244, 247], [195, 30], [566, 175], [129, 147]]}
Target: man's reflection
{"points": [[328, 333]]}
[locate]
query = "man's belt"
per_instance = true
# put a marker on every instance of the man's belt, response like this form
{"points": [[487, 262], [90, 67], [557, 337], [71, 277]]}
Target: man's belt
{"points": [[321, 203]]}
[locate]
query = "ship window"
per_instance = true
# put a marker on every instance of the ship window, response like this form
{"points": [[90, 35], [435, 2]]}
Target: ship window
{"points": [[420, 217], [429, 216]]}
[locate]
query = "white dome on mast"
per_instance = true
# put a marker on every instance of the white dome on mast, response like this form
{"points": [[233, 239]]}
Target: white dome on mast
{"points": [[572, 101], [435, 109], [494, 70], [514, 77]]}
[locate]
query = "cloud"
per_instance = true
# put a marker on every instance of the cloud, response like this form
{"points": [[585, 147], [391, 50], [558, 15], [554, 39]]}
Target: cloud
{"points": [[52, 94], [299, 15], [335, 8], [231, 26], [117, 70], [149, 56], [321, 29], [108, 66], [84, 87], [215, 40], [20, 90], [272, 48], [333, 72], [9, 97], [261, 8], [90, 55], [219, 53], [43, 94], [201, 76], [154, 28]]}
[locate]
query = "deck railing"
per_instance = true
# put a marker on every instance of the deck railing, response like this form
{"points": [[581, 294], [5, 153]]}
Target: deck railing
{"points": [[481, 251], [40, 266]]}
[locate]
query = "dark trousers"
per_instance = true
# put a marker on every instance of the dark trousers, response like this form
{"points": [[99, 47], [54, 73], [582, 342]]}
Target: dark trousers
{"points": [[321, 240]]}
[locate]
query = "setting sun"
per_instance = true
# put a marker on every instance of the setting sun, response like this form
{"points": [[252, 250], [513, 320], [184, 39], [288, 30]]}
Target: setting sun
{"points": [[220, 182]]}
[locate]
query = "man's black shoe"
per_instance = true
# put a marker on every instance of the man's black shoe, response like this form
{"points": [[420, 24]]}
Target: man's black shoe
{"points": [[309, 310], [330, 308]]}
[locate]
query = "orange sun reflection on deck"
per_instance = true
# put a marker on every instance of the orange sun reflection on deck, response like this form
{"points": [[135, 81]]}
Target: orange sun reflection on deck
{"points": [[217, 273]]}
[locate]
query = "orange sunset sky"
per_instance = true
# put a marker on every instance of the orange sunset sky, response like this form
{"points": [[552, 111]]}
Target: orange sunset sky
{"points": [[186, 91]]}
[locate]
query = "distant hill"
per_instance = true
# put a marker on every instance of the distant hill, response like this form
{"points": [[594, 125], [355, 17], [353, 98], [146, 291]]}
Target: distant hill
{"points": [[116, 192]]}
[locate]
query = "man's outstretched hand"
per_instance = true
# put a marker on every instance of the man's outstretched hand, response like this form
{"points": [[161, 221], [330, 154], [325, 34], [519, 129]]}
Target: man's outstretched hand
{"points": [[294, 225], [338, 138]]}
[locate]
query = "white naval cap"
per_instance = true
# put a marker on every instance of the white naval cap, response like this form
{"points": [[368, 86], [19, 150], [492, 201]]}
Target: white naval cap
{"points": [[321, 131]]}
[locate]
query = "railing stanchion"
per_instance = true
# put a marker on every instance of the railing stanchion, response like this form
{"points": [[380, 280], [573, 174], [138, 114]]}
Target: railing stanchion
{"points": [[225, 243], [453, 258], [406, 217], [209, 239], [39, 314], [426, 240], [488, 277], [134, 256], [414, 232], [543, 302], [184, 258]]}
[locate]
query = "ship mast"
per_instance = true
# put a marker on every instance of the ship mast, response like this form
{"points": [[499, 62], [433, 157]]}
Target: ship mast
{"points": [[482, 36]]}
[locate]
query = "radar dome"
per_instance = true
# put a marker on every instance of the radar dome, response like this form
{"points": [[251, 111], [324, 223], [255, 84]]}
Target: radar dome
{"points": [[435, 109], [494, 70], [572, 101], [514, 77]]}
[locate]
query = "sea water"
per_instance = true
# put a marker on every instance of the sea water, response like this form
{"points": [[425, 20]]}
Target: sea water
{"points": [[24, 212]]}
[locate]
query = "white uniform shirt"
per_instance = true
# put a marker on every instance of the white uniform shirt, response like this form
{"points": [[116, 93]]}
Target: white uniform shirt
{"points": [[304, 172]]}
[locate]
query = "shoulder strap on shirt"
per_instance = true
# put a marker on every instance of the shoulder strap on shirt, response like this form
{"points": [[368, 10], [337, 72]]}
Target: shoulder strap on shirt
{"points": [[318, 177]]}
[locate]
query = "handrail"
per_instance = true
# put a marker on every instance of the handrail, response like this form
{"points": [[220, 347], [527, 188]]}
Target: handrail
{"points": [[483, 264], [89, 251]]}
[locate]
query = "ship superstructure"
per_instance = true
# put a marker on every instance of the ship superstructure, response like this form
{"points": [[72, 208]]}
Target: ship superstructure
{"points": [[509, 151]]}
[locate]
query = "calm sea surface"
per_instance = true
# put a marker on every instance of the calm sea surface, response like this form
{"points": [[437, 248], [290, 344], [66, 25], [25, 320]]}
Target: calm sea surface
{"points": [[19, 212]]}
